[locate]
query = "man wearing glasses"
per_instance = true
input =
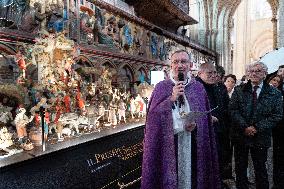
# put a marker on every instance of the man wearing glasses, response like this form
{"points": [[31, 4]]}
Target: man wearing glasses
{"points": [[255, 109], [179, 153], [218, 97]]}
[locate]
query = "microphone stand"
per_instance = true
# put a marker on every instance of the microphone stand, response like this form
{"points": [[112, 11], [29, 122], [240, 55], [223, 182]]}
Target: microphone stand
{"points": [[42, 115]]}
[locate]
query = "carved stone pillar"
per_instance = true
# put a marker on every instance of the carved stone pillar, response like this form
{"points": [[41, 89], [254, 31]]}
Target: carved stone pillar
{"points": [[202, 36], [274, 22], [207, 38], [214, 34], [43, 8], [281, 23]]}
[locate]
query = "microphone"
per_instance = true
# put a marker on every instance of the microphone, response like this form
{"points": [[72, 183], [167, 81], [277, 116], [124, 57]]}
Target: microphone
{"points": [[180, 98]]}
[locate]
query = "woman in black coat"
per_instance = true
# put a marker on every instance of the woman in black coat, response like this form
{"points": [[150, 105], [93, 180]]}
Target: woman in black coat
{"points": [[277, 137]]}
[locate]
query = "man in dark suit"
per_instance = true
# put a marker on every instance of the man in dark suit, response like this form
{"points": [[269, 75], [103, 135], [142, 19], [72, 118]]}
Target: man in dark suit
{"points": [[255, 108], [218, 97]]}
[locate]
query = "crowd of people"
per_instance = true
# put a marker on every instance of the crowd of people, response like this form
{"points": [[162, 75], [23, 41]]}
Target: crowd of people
{"points": [[236, 120]]}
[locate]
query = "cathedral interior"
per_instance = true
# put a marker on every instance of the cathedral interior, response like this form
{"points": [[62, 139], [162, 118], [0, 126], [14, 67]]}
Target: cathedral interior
{"points": [[75, 78]]}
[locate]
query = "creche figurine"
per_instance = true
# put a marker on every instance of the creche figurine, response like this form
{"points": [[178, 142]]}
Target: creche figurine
{"points": [[67, 102], [80, 102], [5, 138], [132, 107], [20, 59], [112, 113], [21, 120], [5, 114], [121, 111], [101, 109], [140, 106]]}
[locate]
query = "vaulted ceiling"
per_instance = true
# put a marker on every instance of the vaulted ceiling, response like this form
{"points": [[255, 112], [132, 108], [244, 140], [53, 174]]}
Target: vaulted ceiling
{"points": [[218, 25], [232, 5], [216, 10]]}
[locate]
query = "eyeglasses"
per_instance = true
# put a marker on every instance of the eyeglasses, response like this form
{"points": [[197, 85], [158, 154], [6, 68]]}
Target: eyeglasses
{"points": [[211, 73], [183, 62], [255, 71]]}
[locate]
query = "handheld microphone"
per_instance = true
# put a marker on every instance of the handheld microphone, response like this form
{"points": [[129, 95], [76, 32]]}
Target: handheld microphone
{"points": [[180, 98]]}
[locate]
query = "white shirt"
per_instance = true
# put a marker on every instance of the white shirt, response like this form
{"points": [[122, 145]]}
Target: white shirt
{"points": [[184, 143], [231, 93], [258, 89]]}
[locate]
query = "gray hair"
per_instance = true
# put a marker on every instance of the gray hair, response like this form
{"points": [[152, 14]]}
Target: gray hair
{"points": [[182, 51], [263, 66], [205, 66]]}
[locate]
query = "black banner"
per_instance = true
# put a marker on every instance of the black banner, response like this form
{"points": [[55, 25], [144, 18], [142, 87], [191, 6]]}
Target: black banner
{"points": [[101, 164]]}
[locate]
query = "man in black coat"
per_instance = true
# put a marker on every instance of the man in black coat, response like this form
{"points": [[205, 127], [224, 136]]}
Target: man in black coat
{"points": [[218, 97], [255, 109], [278, 145]]}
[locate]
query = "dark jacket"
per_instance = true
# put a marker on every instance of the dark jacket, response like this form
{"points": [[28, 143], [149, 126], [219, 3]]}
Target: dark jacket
{"points": [[218, 96], [268, 112], [278, 131]]}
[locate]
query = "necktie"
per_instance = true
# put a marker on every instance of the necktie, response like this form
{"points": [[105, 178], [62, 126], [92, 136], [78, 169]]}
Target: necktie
{"points": [[254, 97]]}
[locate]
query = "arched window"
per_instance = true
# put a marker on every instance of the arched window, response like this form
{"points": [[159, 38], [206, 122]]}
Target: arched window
{"points": [[260, 9]]}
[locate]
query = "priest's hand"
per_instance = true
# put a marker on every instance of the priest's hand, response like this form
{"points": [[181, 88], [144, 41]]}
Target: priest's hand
{"points": [[190, 126], [178, 90]]}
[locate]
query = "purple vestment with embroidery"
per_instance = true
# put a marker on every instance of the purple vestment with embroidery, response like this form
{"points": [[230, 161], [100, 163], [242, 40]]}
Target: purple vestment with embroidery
{"points": [[159, 160]]}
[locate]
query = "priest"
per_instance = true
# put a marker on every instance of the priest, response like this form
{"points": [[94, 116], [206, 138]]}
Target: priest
{"points": [[179, 153]]}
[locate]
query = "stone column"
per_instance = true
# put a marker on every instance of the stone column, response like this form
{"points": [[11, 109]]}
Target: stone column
{"points": [[202, 37], [274, 22], [43, 10], [281, 23], [214, 38], [207, 38], [242, 39]]}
